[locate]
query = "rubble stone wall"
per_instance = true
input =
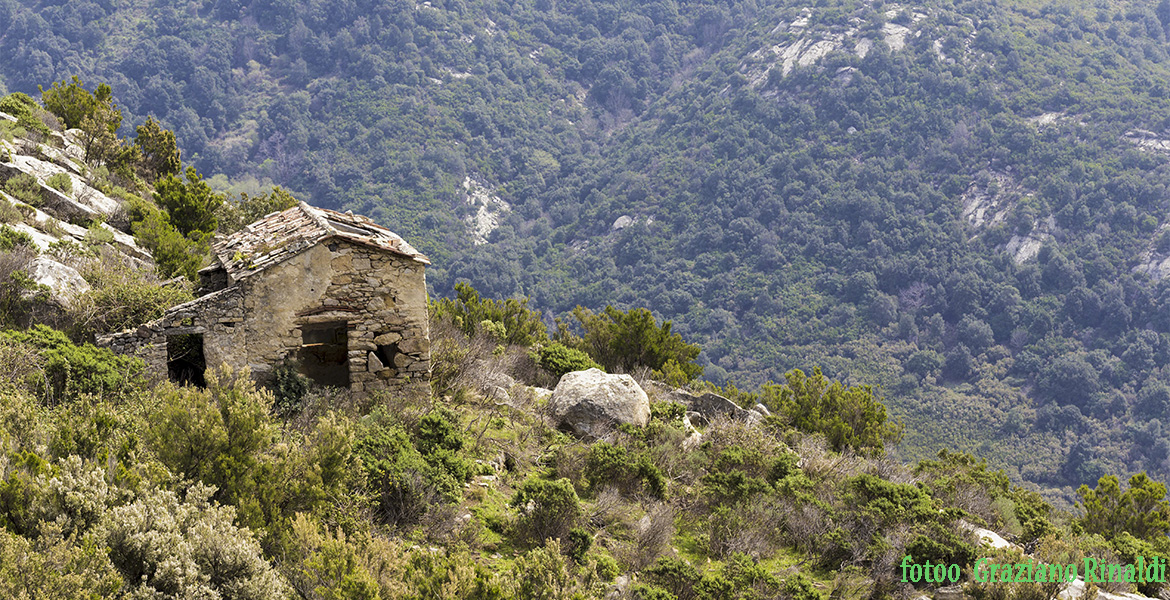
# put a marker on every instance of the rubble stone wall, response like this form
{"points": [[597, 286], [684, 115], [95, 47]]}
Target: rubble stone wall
{"points": [[258, 321]]}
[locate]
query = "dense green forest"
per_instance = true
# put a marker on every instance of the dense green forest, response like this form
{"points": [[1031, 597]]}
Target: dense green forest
{"points": [[961, 202]]}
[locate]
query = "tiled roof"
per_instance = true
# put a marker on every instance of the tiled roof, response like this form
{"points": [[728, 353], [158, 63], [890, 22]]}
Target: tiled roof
{"points": [[281, 235]]}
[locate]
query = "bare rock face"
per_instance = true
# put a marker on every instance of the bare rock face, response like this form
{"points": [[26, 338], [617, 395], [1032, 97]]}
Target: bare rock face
{"points": [[65, 281], [590, 402]]}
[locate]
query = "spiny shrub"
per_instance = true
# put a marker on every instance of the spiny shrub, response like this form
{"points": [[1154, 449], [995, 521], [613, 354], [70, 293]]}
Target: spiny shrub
{"points": [[559, 359], [548, 509], [71, 370]]}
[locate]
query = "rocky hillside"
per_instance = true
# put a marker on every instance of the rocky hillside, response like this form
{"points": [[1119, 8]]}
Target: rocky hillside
{"points": [[53, 199]]}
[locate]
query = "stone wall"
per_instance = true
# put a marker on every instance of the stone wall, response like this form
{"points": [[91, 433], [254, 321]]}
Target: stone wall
{"points": [[258, 322], [218, 317], [380, 294]]}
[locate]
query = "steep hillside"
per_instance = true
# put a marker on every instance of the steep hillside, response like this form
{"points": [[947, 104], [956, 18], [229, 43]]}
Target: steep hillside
{"points": [[962, 202], [114, 487]]}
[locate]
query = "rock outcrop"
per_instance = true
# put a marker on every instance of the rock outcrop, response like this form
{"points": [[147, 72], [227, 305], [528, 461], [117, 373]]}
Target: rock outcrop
{"points": [[710, 406], [590, 402]]}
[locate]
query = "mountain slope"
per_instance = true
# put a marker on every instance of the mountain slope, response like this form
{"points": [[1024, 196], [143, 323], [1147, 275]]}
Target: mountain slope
{"points": [[961, 202]]}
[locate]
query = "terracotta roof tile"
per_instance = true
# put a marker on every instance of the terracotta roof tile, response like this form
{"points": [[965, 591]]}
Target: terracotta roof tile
{"points": [[281, 235]]}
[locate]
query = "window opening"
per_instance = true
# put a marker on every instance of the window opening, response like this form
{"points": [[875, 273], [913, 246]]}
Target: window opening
{"points": [[324, 353]]}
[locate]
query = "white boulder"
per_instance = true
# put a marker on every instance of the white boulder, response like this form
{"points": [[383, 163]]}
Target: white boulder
{"points": [[590, 402]]}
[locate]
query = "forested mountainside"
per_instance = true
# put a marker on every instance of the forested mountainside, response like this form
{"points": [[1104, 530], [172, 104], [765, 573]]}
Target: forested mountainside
{"points": [[961, 202]]}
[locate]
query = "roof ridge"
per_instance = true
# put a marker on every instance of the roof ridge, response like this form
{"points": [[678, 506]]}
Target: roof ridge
{"points": [[318, 218]]}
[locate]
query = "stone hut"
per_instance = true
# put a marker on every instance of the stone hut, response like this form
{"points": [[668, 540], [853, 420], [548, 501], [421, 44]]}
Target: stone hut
{"points": [[335, 294]]}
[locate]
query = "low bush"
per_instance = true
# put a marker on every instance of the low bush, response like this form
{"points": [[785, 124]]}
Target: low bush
{"points": [[548, 509], [25, 188], [61, 182], [71, 371], [558, 359]]}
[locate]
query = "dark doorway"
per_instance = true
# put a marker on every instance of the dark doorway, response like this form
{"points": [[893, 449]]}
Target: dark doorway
{"points": [[324, 353], [185, 361]]}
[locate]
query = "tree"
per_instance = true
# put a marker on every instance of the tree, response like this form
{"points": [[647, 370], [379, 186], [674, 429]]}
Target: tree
{"points": [[623, 341], [160, 151], [191, 206], [72, 103], [235, 215], [1142, 510]]}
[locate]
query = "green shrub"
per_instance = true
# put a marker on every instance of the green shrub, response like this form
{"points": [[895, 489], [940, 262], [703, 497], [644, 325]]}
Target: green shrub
{"points": [[650, 592], [61, 182], [404, 481], [623, 341], [159, 150], [940, 544], [578, 544], [71, 370], [558, 359], [674, 575], [27, 113], [289, 387], [96, 235], [541, 574], [522, 325], [548, 509], [73, 104], [173, 253], [610, 465], [191, 206], [11, 238], [120, 296], [849, 417], [733, 487], [24, 187], [8, 212], [215, 434], [233, 215], [667, 411]]}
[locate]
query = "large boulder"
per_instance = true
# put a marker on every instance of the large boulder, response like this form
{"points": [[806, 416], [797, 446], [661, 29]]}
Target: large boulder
{"points": [[590, 402]]}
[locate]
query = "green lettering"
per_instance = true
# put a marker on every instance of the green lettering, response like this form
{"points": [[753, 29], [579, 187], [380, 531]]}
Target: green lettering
{"points": [[980, 574], [1091, 566], [1130, 574], [1022, 573]]}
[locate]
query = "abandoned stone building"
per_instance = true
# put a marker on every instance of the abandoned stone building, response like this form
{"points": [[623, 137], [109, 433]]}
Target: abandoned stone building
{"points": [[335, 294]]}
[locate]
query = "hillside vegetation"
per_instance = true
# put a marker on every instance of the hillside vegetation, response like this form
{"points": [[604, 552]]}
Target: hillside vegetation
{"points": [[113, 487], [962, 202]]}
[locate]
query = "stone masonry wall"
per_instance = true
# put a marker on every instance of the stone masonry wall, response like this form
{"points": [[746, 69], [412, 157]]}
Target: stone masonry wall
{"points": [[381, 295], [217, 316], [258, 321]]}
